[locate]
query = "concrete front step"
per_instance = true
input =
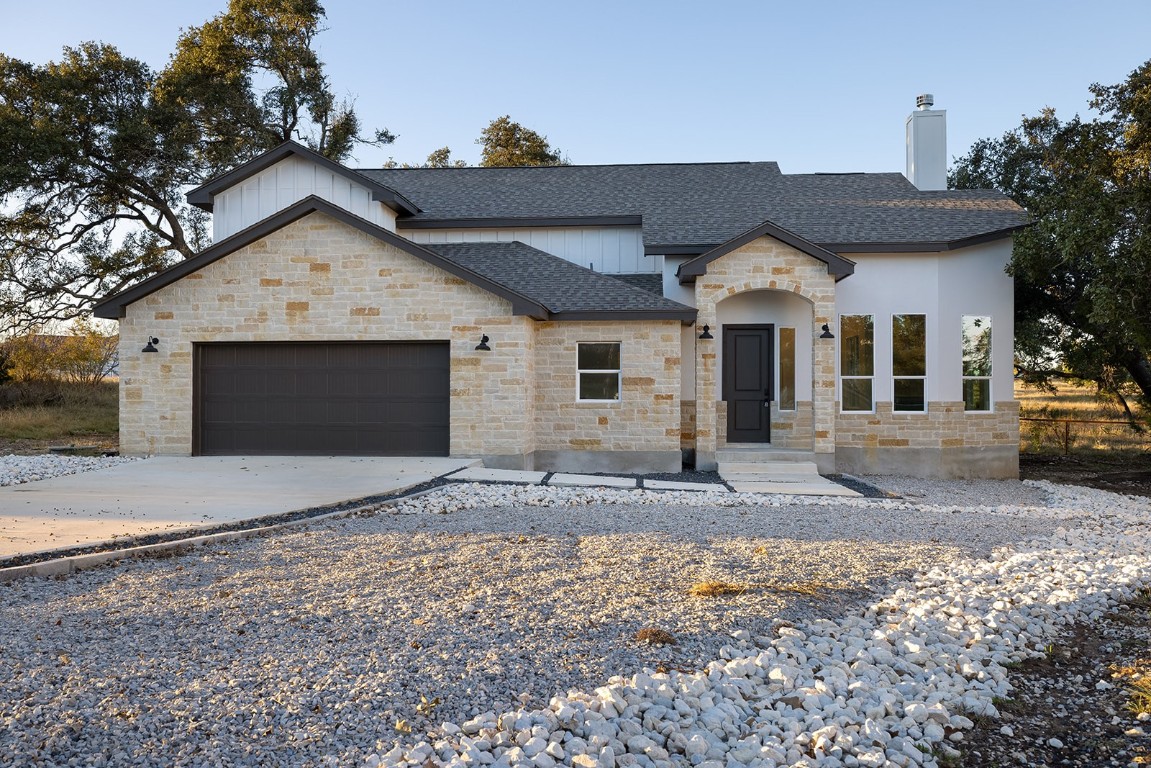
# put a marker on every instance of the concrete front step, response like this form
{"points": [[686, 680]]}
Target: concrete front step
{"points": [[825, 488], [775, 468], [760, 454]]}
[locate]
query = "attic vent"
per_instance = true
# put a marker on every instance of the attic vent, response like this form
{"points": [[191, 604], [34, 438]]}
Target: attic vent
{"points": [[925, 101]]}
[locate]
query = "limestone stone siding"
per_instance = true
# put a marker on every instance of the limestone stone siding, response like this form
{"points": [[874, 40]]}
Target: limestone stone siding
{"points": [[792, 429], [319, 280], [944, 442], [687, 425], [767, 264], [646, 417], [944, 425]]}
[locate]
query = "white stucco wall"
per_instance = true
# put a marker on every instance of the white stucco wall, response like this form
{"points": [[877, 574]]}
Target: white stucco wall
{"points": [[288, 181], [611, 250], [944, 286]]}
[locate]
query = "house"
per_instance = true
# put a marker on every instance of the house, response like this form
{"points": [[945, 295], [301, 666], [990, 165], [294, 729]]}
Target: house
{"points": [[595, 318]]}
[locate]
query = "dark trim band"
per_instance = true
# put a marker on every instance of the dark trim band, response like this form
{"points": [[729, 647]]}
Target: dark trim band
{"points": [[527, 221]]}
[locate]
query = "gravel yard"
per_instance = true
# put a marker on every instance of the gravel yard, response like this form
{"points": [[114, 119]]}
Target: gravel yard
{"points": [[331, 644]]}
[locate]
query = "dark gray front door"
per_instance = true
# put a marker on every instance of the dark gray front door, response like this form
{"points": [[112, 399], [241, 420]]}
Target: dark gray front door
{"points": [[747, 382], [323, 399]]}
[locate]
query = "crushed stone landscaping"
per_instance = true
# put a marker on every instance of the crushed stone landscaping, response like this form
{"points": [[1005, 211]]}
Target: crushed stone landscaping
{"points": [[505, 625]]}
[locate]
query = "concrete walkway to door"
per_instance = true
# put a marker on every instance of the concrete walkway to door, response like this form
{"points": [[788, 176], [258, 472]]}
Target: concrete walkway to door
{"points": [[167, 493]]}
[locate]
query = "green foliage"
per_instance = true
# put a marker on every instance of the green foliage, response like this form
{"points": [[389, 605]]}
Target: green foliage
{"points": [[508, 144], [442, 158], [1082, 269], [96, 149]]}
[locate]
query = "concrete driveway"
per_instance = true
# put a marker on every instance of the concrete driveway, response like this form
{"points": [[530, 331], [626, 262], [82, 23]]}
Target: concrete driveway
{"points": [[168, 493]]}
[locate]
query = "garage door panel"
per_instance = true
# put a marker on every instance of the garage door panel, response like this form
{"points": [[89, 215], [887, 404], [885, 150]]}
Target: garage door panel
{"points": [[372, 398]]}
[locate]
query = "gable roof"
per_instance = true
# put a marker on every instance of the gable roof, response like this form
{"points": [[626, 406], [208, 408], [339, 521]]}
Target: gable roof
{"points": [[113, 306], [836, 265], [692, 208], [202, 196], [533, 281], [568, 290]]}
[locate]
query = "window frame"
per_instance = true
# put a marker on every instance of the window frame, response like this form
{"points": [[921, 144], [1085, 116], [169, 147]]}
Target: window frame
{"points": [[839, 361], [617, 371], [895, 378], [779, 369], [964, 378]]}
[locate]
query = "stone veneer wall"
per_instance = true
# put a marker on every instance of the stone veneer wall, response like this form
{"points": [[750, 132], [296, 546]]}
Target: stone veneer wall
{"points": [[319, 280], [790, 430], [767, 264], [945, 441], [687, 425], [793, 429], [639, 432]]}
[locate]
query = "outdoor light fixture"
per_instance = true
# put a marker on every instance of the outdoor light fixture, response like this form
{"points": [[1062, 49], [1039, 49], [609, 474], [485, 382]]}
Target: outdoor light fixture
{"points": [[706, 333], [827, 334], [483, 345], [151, 347]]}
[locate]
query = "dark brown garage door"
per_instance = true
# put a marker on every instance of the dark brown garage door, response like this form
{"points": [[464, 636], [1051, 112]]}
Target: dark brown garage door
{"points": [[326, 399]]}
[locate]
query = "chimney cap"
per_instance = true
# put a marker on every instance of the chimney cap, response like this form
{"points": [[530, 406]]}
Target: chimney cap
{"points": [[924, 101]]}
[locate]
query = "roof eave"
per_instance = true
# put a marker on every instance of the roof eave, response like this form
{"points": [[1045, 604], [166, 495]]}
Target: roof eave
{"points": [[512, 222], [837, 265], [927, 246], [685, 316]]}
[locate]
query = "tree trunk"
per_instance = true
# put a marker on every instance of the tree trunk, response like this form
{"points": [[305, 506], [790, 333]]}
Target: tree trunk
{"points": [[1137, 365]]}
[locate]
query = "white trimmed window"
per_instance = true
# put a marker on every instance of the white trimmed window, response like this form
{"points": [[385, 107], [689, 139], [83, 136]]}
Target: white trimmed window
{"points": [[856, 362], [976, 363], [909, 363], [786, 398], [598, 375]]}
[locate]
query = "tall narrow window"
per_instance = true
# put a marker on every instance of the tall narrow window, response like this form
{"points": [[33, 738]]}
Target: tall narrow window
{"points": [[976, 363], [786, 369], [856, 362], [599, 371], [909, 362]]}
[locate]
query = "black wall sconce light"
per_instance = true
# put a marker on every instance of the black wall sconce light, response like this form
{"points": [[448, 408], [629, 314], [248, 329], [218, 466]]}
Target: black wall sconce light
{"points": [[827, 334], [483, 345], [151, 345], [706, 333]]}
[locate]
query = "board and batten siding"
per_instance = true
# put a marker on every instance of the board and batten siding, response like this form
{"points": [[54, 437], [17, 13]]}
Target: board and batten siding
{"points": [[288, 181], [611, 250]]}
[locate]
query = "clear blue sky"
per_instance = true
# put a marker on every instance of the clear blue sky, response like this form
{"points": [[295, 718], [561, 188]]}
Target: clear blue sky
{"points": [[814, 85]]}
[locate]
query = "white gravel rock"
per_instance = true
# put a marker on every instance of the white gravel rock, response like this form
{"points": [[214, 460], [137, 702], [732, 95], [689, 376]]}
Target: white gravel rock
{"points": [[27, 469], [348, 642]]}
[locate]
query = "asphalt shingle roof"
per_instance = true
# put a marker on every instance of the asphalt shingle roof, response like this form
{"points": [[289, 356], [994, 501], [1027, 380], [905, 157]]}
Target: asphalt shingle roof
{"points": [[707, 204], [559, 285]]}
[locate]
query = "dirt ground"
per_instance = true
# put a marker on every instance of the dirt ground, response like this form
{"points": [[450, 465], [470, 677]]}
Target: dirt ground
{"points": [[1124, 472], [89, 444]]}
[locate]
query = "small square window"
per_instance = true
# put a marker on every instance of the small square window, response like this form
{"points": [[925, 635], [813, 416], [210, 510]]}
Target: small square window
{"points": [[598, 372]]}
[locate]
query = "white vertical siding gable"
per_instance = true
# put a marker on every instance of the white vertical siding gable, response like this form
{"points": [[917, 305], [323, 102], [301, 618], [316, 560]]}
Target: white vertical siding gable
{"points": [[289, 181]]}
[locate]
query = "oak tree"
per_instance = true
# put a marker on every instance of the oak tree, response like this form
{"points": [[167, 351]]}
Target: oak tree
{"points": [[97, 149], [508, 144], [1083, 268]]}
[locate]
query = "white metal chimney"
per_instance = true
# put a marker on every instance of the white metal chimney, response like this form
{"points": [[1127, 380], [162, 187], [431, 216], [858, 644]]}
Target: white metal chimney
{"points": [[927, 145]]}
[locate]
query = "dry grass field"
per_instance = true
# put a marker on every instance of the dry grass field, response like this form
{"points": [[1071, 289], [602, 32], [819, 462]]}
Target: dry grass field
{"points": [[64, 414], [1067, 421]]}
